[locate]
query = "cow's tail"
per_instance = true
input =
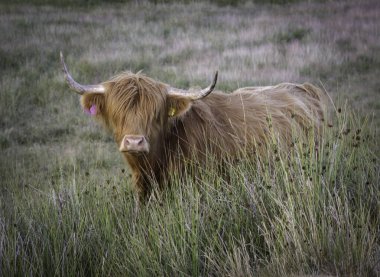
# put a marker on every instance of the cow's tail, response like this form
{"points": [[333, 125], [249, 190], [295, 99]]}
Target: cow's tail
{"points": [[314, 92], [318, 100]]}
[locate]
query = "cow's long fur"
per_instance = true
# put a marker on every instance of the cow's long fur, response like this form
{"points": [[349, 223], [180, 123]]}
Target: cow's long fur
{"points": [[220, 124]]}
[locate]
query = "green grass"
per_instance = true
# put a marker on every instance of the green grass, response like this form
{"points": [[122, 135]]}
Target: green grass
{"points": [[303, 212], [66, 204]]}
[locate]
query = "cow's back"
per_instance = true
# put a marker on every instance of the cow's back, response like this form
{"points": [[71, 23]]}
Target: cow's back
{"points": [[251, 117]]}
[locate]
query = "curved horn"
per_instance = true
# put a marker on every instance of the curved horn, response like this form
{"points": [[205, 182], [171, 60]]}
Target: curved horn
{"points": [[194, 95], [78, 88]]}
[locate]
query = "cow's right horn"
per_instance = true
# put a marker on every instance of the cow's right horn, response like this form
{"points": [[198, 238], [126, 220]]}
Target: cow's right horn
{"points": [[195, 95], [78, 88]]}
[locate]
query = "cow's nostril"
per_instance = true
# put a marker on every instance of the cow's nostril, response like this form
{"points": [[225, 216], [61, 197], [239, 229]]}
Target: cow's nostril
{"points": [[140, 141]]}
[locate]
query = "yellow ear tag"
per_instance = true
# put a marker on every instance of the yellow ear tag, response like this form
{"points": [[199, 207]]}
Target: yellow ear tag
{"points": [[172, 111]]}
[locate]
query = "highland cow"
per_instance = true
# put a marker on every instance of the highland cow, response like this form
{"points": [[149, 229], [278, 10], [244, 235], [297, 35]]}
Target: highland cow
{"points": [[157, 127]]}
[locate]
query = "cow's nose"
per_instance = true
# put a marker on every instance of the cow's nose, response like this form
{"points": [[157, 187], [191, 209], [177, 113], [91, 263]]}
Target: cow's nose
{"points": [[133, 143]]}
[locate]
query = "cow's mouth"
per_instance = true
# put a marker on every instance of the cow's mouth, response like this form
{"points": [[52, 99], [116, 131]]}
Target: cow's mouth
{"points": [[135, 152]]}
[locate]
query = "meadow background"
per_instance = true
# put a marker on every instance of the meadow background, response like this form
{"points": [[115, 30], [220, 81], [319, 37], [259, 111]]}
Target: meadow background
{"points": [[66, 207]]}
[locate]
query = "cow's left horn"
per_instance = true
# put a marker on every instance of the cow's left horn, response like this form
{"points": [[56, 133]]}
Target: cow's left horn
{"points": [[78, 88], [195, 95]]}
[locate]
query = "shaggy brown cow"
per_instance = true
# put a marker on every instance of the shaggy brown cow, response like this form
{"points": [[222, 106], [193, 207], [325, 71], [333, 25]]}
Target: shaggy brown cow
{"points": [[158, 127]]}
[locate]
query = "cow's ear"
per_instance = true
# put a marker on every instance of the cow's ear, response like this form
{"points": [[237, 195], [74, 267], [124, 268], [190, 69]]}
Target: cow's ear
{"points": [[178, 106], [93, 103]]}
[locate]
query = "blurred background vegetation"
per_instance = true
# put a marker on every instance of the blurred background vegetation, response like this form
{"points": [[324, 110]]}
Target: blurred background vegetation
{"points": [[95, 2]]}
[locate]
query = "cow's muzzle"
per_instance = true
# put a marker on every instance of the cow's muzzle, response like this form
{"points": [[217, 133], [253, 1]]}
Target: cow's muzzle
{"points": [[134, 144]]}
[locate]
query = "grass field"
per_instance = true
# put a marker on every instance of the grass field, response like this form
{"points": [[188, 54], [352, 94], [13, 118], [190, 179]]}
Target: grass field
{"points": [[66, 206]]}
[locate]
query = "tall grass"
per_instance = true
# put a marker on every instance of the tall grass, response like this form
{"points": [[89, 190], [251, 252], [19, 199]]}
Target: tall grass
{"points": [[313, 210]]}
